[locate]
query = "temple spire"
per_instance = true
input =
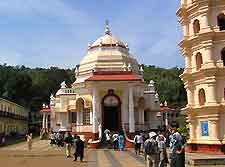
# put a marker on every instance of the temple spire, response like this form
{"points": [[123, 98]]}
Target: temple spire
{"points": [[107, 28]]}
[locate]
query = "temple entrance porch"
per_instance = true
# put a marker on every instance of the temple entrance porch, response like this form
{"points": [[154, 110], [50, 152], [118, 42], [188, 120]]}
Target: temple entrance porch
{"points": [[111, 112]]}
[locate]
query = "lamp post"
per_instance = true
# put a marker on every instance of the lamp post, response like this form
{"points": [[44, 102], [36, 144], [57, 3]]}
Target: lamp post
{"points": [[166, 116]]}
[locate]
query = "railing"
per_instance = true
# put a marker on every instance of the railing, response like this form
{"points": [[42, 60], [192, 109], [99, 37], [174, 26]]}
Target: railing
{"points": [[68, 91], [6, 114]]}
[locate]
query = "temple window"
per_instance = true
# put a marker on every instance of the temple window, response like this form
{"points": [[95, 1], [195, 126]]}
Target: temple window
{"points": [[198, 60], [73, 117], [196, 26], [221, 21], [223, 56], [80, 104], [86, 116], [201, 97]]}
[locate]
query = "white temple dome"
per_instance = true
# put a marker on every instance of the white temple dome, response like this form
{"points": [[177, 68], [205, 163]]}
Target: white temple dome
{"points": [[107, 53], [108, 40]]}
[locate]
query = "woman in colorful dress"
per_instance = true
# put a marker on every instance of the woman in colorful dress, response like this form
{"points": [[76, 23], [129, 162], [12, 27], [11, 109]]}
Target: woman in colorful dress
{"points": [[121, 144]]}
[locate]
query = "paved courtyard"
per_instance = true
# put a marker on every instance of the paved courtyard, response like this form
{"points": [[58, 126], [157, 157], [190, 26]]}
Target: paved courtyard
{"points": [[44, 155]]}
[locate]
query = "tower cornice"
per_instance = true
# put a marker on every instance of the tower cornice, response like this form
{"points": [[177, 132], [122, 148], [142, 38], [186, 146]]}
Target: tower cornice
{"points": [[202, 38]]}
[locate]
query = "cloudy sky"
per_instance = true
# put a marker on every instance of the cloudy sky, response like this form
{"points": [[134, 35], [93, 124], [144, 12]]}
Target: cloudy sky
{"points": [[44, 33]]}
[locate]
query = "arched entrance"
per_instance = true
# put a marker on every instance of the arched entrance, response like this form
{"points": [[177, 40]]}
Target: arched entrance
{"points": [[111, 112]]}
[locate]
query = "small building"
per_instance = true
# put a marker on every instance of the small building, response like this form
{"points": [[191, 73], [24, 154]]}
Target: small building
{"points": [[109, 93], [169, 116], [13, 118]]}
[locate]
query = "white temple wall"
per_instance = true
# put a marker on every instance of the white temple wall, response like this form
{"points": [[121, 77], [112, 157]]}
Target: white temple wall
{"points": [[62, 119], [124, 109]]}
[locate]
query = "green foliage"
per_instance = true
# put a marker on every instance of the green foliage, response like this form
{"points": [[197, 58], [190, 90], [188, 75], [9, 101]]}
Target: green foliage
{"points": [[168, 84], [31, 87]]}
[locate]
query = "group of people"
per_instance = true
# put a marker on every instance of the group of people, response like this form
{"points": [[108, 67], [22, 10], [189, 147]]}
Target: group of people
{"points": [[116, 139], [155, 149], [57, 138], [70, 142]]}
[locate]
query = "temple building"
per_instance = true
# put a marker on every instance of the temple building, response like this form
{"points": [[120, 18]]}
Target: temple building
{"points": [[203, 48], [109, 93]]}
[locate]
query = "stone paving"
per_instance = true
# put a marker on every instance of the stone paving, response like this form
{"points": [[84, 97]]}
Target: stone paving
{"points": [[44, 155]]}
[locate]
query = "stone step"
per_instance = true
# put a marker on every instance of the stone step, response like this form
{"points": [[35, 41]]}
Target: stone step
{"points": [[198, 159]]}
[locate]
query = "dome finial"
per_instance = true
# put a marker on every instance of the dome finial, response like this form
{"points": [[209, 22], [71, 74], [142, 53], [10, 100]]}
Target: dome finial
{"points": [[107, 28]]}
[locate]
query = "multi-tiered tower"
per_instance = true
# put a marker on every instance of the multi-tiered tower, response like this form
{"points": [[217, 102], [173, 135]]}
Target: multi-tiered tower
{"points": [[203, 47]]}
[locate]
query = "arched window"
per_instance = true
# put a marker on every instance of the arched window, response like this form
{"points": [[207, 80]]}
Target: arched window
{"points": [[221, 21], [80, 105], [201, 97], [196, 26], [223, 56], [198, 60]]}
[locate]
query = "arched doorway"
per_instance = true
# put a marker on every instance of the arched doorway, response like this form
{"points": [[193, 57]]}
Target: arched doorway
{"points": [[111, 112]]}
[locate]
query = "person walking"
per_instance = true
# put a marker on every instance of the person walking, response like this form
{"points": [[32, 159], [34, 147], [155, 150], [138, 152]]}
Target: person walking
{"points": [[138, 140], [180, 155], [108, 139], [175, 143], [52, 138], [163, 159], [68, 141], [115, 140], [59, 139], [121, 144], [3, 140], [79, 151], [29, 141], [151, 150]]}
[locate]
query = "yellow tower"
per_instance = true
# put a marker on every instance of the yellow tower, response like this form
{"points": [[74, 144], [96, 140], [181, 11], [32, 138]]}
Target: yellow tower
{"points": [[203, 48]]}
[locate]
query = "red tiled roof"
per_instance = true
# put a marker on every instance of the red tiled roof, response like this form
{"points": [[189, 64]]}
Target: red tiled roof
{"points": [[114, 76], [45, 110]]}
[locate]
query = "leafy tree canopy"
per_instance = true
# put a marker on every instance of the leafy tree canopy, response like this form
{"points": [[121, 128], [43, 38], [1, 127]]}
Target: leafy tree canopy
{"points": [[31, 87]]}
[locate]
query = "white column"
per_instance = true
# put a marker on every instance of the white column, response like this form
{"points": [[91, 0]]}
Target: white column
{"points": [[81, 117], [43, 120], [166, 119], [46, 120], [214, 129], [186, 29], [91, 117], [131, 111], [192, 130], [211, 93], [141, 115], [209, 59], [204, 20], [124, 119], [78, 118], [95, 111]]}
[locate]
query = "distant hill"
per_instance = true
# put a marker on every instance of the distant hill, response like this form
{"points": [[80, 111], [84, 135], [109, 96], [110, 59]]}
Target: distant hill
{"points": [[31, 87]]}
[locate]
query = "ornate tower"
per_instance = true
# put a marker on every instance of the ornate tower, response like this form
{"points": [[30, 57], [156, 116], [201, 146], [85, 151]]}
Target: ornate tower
{"points": [[203, 48]]}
